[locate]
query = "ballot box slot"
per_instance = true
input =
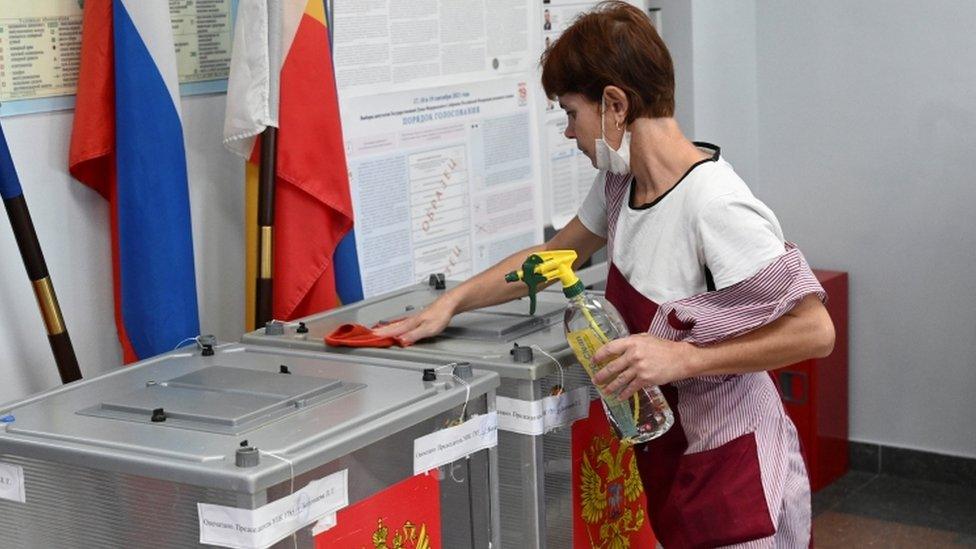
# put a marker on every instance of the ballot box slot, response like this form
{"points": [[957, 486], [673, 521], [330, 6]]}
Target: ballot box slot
{"points": [[221, 399]]}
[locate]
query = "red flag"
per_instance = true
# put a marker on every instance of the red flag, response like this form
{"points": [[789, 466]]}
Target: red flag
{"points": [[313, 208]]}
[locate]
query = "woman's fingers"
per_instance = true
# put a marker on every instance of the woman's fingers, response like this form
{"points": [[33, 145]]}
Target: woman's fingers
{"points": [[397, 328], [635, 385], [426, 326], [611, 370], [610, 350], [621, 382], [416, 334]]}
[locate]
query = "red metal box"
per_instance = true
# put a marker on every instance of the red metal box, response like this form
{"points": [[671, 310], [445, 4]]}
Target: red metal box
{"points": [[814, 393]]}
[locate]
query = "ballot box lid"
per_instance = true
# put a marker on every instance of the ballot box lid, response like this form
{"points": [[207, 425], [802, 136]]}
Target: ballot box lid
{"points": [[183, 416], [487, 338]]}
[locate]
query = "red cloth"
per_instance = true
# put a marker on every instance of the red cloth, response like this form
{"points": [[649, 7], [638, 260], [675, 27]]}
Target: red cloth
{"points": [[357, 335]]}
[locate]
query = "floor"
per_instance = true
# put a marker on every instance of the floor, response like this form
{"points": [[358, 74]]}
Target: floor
{"points": [[870, 510]]}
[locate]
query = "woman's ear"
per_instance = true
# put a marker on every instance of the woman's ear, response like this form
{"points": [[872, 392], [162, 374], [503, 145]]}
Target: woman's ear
{"points": [[616, 105]]}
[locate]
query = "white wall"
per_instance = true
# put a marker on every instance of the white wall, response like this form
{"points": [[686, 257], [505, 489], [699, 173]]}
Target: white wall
{"points": [[724, 62], [867, 125], [854, 121], [677, 33], [713, 47], [72, 225]]}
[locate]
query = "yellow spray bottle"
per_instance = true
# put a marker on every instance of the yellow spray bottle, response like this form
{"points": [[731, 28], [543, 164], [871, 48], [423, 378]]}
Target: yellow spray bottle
{"points": [[590, 323]]}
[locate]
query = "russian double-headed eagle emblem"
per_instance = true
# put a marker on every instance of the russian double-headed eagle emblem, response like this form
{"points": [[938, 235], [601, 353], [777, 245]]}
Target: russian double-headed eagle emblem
{"points": [[611, 493], [407, 537]]}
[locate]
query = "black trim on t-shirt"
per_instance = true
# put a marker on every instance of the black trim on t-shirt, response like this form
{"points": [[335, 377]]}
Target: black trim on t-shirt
{"points": [[709, 280], [700, 144]]}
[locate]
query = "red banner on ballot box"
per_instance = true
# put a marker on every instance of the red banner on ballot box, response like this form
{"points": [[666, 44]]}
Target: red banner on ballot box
{"points": [[609, 508], [406, 515]]}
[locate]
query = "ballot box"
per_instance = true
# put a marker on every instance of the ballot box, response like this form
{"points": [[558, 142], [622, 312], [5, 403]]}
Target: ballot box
{"points": [[242, 446], [543, 392]]}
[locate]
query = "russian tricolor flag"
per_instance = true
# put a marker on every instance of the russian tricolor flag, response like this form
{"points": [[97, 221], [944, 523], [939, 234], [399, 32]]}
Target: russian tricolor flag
{"points": [[127, 144]]}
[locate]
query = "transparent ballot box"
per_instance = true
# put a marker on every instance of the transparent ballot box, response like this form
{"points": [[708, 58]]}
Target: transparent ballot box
{"points": [[535, 362], [229, 442]]}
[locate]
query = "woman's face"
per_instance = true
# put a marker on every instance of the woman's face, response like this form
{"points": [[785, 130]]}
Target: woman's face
{"points": [[583, 122]]}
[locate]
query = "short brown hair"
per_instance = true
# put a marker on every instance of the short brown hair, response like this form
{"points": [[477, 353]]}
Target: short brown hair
{"points": [[614, 44]]}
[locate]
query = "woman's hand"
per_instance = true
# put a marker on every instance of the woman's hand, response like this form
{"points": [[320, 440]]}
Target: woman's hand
{"points": [[427, 323], [640, 360]]}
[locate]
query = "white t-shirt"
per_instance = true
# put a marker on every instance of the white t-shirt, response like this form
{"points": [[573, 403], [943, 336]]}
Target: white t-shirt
{"points": [[710, 221]]}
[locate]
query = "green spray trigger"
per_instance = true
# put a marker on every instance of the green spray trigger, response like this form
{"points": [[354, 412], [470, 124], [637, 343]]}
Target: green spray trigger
{"points": [[531, 278], [544, 267]]}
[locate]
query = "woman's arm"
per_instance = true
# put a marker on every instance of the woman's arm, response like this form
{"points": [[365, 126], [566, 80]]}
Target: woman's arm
{"points": [[489, 287], [641, 360]]}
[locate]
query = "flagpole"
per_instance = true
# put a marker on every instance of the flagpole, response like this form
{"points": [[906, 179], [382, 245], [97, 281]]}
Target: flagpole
{"points": [[268, 170], [47, 300], [266, 192], [30, 252]]}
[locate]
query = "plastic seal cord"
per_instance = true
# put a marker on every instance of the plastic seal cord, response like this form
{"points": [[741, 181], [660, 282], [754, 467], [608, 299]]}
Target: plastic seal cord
{"points": [[291, 483], [467, 397], [562, 379], [464, 410], [195, 339], [467, 387]]}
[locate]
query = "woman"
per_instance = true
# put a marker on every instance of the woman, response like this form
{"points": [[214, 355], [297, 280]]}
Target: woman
{"points": [[701, 263]]}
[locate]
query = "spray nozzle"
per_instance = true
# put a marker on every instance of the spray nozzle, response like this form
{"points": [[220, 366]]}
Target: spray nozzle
{"points": [[543, 267]]}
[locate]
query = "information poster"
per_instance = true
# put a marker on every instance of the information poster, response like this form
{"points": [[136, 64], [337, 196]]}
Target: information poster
{"points": [[389, 45], [40, 44], [202, 34], [443, 180], [568, 172]]}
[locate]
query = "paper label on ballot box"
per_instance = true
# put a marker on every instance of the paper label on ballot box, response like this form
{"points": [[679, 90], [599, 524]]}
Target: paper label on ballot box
{"points": [[12, 482], [537, 417], [451, 444], [253, 528]]}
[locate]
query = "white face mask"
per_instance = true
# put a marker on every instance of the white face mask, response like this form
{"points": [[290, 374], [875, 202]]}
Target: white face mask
{"points": [[615, 161]]}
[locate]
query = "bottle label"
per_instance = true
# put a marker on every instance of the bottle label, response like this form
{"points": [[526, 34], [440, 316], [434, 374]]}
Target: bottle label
{"points": [[585, 343]]}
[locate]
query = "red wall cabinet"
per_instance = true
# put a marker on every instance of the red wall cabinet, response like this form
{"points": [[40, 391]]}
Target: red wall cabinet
{"points": [[814, 393]]}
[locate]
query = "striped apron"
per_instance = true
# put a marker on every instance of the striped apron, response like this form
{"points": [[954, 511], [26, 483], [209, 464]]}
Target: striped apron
{"points": [[729, 473]]}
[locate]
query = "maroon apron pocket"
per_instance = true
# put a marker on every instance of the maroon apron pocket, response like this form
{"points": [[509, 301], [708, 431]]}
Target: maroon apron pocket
{"points": [[717, 498]]}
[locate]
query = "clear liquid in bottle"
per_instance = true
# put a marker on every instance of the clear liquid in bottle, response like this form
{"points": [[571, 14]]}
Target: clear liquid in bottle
{"points": [[590, 323]]}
